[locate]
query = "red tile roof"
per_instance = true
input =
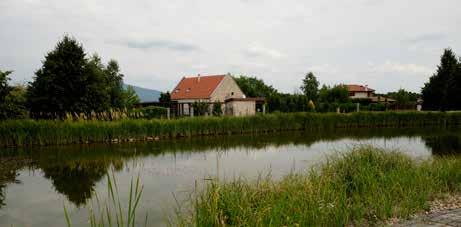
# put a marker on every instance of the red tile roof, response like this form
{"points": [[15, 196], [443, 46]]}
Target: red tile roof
{"points": [[198, 87], [358, 88]]}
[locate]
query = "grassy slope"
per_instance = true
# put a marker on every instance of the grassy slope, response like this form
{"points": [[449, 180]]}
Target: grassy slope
{"points": [[361, 187], [46, 132]]}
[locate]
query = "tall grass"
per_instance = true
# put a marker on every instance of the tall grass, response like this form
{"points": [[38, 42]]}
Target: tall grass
{"points": [[49, 132], [362, 187], [112, 213]]}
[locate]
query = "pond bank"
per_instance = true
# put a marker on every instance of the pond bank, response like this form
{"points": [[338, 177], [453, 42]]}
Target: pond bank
{"points": [[364, 187], [48, 132]]}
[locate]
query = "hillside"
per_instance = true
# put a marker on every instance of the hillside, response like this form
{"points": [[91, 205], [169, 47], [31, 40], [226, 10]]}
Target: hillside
{"points": [[145, 94]]}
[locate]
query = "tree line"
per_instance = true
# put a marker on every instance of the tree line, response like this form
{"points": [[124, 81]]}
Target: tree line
{"points": [[69, 82], [442, 92], [72, 82], [320, 99]]}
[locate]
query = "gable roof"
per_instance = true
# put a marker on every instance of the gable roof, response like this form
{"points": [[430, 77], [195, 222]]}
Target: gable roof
{"points": [[358, 88], [198, 87]]}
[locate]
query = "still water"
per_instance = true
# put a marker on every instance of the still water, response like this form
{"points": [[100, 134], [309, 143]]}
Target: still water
{"points": [[35, 183]]}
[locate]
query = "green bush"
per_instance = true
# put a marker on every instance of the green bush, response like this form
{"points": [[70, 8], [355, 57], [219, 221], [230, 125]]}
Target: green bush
{"points": [[152, 112]]}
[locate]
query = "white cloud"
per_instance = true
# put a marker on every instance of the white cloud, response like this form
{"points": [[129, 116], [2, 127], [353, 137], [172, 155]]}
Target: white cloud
{"points": [[278, 41], [390, 67], [257, 50]]}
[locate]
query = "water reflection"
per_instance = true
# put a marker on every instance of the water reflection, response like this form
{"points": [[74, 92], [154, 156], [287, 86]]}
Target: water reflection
{"points": [[77, 179], [444, 145], [9, 167], [74, 171]]}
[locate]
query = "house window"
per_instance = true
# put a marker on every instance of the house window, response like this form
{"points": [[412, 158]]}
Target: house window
{"points": [[187, 90], [232, 93]]}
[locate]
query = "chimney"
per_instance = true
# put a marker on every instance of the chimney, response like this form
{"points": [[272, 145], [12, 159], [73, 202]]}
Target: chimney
{"points": [[198, 78]]}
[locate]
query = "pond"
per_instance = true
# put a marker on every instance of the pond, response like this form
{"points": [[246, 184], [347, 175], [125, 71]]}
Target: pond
{"points": [[35, 183]]}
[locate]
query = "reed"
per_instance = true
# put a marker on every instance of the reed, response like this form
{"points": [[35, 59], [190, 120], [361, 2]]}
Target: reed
{"points": [[53, 132], [112, 213], [363, 187]]}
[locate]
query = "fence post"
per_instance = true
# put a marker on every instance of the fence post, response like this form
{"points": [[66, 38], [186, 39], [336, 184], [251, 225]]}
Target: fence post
{"points": [[264, 109], [168, 113], [358, 107]]}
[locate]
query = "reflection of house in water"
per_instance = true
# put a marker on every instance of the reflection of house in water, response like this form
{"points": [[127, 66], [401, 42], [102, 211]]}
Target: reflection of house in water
{"points": [[212, 89]]}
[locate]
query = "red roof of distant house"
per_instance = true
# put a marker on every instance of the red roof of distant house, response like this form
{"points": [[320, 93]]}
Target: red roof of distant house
{"points": [[198, 87], [358, 88]]}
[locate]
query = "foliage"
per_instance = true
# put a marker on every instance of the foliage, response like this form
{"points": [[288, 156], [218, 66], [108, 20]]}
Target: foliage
{"points": [[310, 87], [217, 108], [254, 87], [152, 112], [115, 85], [4, 87], [112, 212], [359, 188], [200, 108], [60, 85], [442, 92], [14, 106], [12, 99], [52, 132], [68, 81], [129, 98], [165, 98], [288, 103], [403, 97], [335, 94]]}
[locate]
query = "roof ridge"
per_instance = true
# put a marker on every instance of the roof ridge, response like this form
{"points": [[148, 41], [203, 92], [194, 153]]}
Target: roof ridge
{"points": [[187, 77]]}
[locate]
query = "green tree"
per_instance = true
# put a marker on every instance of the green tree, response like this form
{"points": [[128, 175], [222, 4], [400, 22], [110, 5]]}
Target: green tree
{"points": [[165, 99], [310, 87], [96, 87], [401, 97], [4, 87], [440, 92], [130, 98], [61, 84], [335, 94], [12, 98], [68, 81], [15, 103], [115, 81], [200, 108], [254, 87], [217, 108]]}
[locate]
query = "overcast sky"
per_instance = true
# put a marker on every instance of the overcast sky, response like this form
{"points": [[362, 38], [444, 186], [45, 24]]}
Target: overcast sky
{"points": [[385, 44]]}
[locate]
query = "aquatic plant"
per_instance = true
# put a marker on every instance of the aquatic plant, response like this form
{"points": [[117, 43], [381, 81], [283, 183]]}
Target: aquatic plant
{"points": [[363, 187], [52, 132], [112, 212]]}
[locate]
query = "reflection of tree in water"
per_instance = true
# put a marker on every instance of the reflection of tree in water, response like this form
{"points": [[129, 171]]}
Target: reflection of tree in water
{"points": [[9, 168], [76, 179], [444, 145]]}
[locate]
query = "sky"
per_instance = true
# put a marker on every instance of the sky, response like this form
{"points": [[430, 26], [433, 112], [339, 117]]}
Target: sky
{"points": [[385, 44]]}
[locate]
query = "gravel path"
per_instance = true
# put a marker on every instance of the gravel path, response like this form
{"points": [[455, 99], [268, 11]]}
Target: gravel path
{"points": [[441, 218], [444, 212]]}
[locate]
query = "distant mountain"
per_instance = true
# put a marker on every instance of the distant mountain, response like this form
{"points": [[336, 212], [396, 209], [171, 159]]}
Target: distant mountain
{"points": [[145, 94]]}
